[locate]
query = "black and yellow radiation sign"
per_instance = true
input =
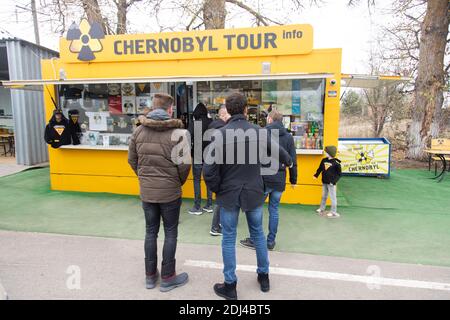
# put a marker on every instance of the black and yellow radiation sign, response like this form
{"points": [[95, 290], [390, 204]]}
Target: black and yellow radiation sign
{"points": [[59, 129]]}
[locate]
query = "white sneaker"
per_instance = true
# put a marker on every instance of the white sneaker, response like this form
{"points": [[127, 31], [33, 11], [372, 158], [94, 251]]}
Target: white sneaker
{"points": [[333, 215], [320, 212]]}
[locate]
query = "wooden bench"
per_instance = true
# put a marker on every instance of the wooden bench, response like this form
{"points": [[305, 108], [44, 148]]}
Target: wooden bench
{"points": [[438, 144]]}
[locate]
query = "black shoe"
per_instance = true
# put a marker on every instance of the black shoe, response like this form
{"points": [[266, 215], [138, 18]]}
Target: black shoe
{"points": [[247, 243], [226, 290], [263, 279], [195, 211], [150, 281], [271, 245], [215, 232], [173, 282], [208, 209]]}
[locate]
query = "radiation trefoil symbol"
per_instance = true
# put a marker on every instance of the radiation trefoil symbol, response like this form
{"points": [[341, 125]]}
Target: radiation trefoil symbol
{"points": [[364, 157], [85, 39]]}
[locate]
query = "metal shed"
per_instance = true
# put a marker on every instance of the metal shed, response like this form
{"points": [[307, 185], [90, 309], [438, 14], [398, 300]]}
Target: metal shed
{"points": [[23, 61]]}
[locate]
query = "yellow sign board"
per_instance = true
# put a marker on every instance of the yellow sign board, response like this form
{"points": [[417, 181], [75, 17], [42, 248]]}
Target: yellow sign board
{"points": [[364, 157], [87, 43]]}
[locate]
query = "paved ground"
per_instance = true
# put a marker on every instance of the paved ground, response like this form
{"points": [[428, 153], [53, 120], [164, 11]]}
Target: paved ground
{"points": [[45, 266], [401, 219], [9, 166]]}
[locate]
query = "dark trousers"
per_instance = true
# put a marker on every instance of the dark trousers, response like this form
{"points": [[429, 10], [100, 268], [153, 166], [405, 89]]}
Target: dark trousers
{"points": [[197, 174], [216, 218], [170, 214]]}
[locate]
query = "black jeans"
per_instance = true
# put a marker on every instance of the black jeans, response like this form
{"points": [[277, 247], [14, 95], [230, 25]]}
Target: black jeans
{"points": [[170, 214], [197, 174], [216, 218]]}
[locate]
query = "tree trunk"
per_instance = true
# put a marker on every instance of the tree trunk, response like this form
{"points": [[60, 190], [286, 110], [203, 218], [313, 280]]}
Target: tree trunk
{"points": [[430, 78], [121, 17], [93, 13], [214, 14]]}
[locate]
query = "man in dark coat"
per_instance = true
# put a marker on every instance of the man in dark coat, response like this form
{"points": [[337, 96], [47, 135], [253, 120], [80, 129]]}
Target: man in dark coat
{"points": [[57, 132], [197, 129], [234, 173], [274, 185]]}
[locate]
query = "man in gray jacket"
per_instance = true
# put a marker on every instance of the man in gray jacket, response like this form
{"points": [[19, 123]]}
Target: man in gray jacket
{"points": [[159, 154]]}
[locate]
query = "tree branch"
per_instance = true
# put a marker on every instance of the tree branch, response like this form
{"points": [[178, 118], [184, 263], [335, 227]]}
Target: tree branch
{"points": [[264, 20], [194, 17]]}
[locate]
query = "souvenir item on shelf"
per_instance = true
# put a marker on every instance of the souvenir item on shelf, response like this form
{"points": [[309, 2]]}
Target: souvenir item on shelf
{"points": [[97, 91], [142, 89], [114, 89], [122, 123], [92, 137], [115, 104], [142, 103], [74, 126], [156, 87], [128, 105], [97, 120], [128, 89], [106, 140]]}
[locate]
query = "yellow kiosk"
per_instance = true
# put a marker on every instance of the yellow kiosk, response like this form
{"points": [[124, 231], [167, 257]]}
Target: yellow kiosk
{"points": [[111, 79]]}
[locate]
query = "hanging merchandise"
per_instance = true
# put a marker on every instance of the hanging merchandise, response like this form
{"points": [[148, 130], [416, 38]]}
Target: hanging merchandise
{"points": [[57, 132], [115, 104], [114, 89], [74, 126], [128, 89], [142, 89]]}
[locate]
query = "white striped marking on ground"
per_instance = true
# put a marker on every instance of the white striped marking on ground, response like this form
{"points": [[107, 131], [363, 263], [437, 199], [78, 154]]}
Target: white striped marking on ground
{"points": [[373, 280]]}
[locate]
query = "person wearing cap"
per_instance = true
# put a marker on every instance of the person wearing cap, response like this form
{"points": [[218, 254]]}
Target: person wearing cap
{"points": [[330, 167], [57, 132]]}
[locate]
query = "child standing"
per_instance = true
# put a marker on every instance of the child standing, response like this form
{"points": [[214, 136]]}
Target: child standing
{"points": [[330, 168]]}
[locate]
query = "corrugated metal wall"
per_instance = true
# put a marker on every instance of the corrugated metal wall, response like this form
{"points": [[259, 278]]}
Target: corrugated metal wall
{"points": [[24, 63]]}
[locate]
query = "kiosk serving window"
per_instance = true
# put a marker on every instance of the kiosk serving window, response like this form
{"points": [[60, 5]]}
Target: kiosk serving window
{"points": [[301, 101], [108, 112]]}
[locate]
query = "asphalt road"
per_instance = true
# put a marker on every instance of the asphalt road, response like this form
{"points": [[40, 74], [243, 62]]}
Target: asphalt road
{"points": [[49, 266]]}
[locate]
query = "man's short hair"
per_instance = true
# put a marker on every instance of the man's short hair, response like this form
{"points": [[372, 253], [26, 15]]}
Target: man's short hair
{"points": [[236, 103], [162, 101], [276, 115]]}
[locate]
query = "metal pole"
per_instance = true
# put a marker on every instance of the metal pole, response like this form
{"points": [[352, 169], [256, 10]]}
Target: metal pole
{"points": [[35, 22]]}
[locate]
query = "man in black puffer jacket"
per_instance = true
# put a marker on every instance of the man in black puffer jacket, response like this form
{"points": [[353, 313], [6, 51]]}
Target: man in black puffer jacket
{"points": [[274, 185]]}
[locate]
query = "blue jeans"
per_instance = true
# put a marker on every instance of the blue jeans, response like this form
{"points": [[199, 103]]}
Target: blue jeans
{"points": [[197, 174], [274, 202], [229, 221]]}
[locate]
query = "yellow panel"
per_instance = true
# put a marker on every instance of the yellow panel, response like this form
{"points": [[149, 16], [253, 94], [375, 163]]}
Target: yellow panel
{"points": [[89, 183], [273, 40]]}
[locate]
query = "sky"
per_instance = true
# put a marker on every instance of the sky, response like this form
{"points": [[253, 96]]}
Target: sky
{"points": [[335, 24]]}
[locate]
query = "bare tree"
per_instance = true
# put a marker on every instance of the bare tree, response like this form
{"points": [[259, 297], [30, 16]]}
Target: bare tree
{"points": [[122, 9], [94, 13], [430, 81], [383, 103], [99, 11], [212, 13], [418, 42]]}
